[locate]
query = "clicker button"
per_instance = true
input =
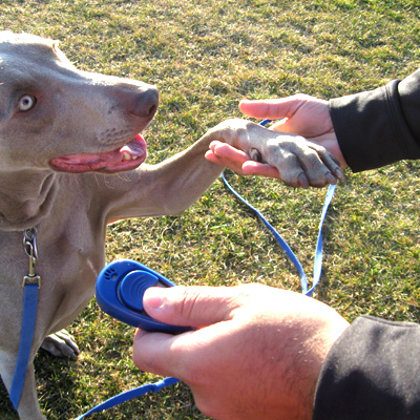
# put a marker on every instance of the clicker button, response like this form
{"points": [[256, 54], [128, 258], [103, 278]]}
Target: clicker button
{"points": [[133, 286]]}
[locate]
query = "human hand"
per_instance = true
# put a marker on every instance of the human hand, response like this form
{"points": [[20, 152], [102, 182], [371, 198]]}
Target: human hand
{"points": [[300, 114], [256, 351], [240, 162]]}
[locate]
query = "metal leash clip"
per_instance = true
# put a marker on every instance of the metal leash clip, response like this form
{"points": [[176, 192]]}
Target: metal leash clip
{"points": [[31, 250]]}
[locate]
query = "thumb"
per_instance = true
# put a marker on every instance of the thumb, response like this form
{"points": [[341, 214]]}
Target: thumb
{"points": [[268, 108], [189, 306]]}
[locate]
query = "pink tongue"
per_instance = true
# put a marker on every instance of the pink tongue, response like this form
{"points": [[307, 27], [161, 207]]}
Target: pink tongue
{"points": [[135, 151], [135, 147]]}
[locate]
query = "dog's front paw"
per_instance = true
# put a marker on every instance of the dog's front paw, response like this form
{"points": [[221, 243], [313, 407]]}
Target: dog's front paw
{"points": [[61, 344], [300, 163]]}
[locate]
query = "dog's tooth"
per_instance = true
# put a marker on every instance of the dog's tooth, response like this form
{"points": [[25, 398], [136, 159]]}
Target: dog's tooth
{"points": [[126, 156]]}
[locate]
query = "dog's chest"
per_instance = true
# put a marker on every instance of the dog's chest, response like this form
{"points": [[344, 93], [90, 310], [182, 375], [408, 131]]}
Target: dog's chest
{"points": [[74, 252], [70, 250], [70, 255]]}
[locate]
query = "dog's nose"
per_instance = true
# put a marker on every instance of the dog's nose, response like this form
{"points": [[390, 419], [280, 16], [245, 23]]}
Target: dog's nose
{"points": [[145, 103]]}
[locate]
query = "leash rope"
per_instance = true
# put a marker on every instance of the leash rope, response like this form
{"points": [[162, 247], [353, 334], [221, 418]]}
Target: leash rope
{"points": [[130, 395], [285, 246], [31, 284]]}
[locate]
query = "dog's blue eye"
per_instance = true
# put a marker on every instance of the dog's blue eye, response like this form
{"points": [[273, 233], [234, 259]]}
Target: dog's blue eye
{"points": [[26, 103]]}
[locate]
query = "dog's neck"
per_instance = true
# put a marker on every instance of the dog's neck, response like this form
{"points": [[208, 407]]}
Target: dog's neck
{"points": [[26, 197]]}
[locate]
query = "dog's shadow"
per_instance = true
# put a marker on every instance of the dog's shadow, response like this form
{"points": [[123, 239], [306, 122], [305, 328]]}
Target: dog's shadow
{"points": [[53, 375]]}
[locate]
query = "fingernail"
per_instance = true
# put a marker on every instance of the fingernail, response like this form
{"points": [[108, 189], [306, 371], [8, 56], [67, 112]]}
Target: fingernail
{"points": [[331, 179], [153, 298], [339, 174]]}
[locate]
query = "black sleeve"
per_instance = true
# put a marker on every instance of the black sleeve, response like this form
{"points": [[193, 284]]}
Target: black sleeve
{"points": [[381, 126], [371, 373]]}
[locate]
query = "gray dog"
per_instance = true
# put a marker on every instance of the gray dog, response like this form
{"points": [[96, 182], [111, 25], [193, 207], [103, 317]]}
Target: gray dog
{"points": [[66, 136]]}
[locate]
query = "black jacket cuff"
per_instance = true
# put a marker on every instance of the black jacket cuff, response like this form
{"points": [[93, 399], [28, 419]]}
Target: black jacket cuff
{"points": [[381, 126], [372, 372]]}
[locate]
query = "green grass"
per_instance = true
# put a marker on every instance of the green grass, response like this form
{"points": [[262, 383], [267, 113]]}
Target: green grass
{"points": [[205, 56]]}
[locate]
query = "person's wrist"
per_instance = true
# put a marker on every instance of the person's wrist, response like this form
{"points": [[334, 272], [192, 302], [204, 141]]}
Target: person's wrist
{"points": [[310, 360]]}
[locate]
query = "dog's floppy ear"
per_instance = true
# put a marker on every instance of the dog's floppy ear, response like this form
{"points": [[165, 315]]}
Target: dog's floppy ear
{"points": [[55, 46]]}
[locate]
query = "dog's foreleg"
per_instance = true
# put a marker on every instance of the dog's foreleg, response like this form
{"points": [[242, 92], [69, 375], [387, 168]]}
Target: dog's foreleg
{"points": [[28, 408], [171, 186], [298, 161]]}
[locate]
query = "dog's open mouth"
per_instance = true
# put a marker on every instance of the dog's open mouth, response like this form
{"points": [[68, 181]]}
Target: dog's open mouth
{"points": [[124, 158]]}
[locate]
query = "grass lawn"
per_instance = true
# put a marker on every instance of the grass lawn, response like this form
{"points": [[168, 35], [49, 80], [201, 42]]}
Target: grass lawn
{"points": [[205, 56]]}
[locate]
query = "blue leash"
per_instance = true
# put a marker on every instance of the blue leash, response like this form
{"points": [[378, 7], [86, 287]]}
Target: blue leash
{"points": [[30, 303], [130, 395], [31, 284], [285, 246]]}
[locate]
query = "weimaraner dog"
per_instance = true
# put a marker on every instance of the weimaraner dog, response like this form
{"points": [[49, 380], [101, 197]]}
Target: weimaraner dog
{"points": [[71, 161]]}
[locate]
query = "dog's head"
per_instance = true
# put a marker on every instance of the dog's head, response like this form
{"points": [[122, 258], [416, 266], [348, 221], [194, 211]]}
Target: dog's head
{"points": [[55, 116]]}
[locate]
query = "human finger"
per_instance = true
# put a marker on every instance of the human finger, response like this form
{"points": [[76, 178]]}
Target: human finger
{"points": [[189, 306], [251, 167], [228, 152], [268, 108]]}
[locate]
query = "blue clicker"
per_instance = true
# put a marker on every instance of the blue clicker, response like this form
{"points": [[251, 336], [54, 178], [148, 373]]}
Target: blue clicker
{"points": [[119, 292]]}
